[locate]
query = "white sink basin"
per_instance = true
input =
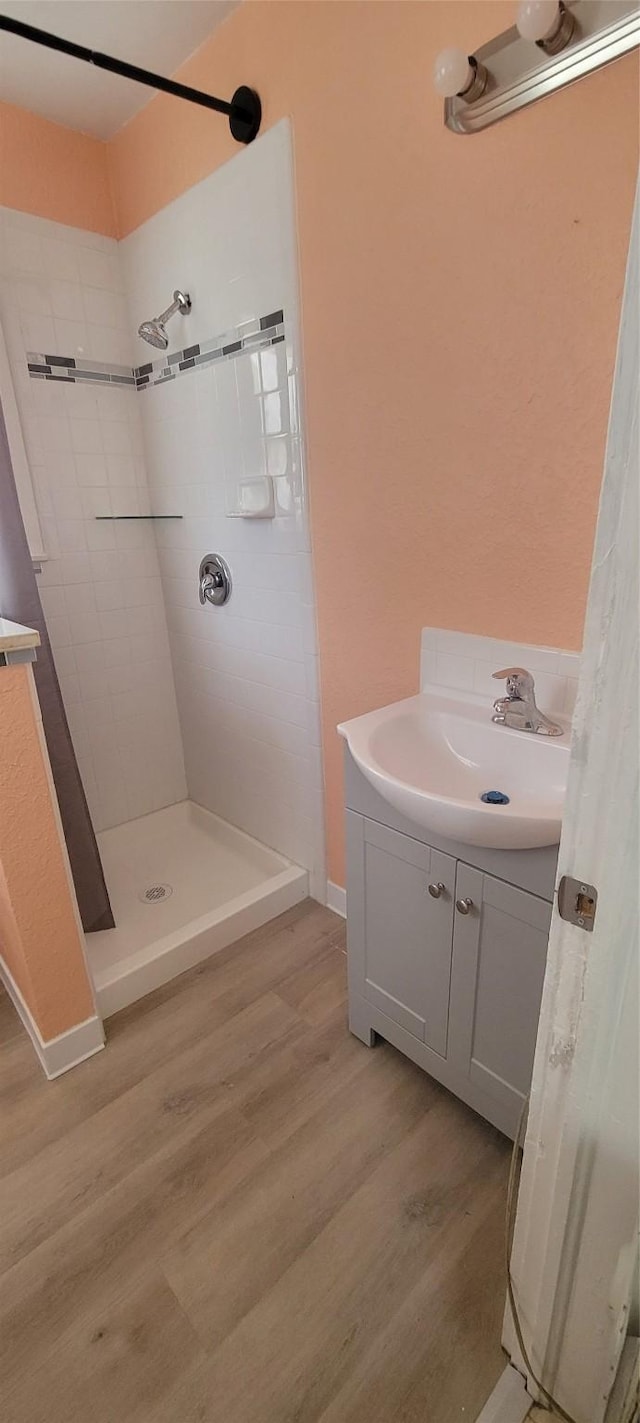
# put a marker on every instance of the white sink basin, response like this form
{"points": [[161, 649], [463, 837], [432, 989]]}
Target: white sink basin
{"points": [[432, 757]]}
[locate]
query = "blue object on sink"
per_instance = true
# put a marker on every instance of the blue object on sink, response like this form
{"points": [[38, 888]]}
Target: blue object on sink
{"points": [[494, 798]]}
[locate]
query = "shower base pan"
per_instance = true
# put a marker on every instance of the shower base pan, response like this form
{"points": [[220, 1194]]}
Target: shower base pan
{"points": [[183, 884]]}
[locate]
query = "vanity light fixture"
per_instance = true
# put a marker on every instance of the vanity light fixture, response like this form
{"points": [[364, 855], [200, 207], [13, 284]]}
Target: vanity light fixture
{"points": [[552, 44]]}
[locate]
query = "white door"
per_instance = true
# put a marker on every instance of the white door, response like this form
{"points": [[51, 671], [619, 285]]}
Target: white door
{"points": [[575, 1245]]}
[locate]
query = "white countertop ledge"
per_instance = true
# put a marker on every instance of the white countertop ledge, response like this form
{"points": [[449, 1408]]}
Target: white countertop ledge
{"points": [[14, 637]]}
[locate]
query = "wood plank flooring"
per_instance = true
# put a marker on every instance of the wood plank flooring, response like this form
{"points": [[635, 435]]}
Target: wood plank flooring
{"points": [[238, 1213]]}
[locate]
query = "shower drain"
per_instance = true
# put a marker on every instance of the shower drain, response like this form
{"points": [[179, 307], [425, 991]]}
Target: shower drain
{"points": [[155, 893]]}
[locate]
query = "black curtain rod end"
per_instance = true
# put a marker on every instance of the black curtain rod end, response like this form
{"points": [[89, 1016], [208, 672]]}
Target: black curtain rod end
{"points": [[246, 114]]}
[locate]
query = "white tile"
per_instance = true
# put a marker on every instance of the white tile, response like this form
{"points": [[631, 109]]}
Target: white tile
{"points": [[125, 501], [99, 269], [94, 683], [101, 536], [119, 651], [67, 503], [59, 632], [86, 438], [53, 603], [116, 437], [59, 259], [70, 337], [120, 468], [104, 308], [113, 804], [66, 300], [116, 623], [32, 297], [84, 626], [53, 433], [71, 535], [22, 251], [105, 567], [89, 657], [98, 712], [95, 502], [75, 567], [80, 598], [70, 688], [39, 334], [91, 468], [65, 661]]}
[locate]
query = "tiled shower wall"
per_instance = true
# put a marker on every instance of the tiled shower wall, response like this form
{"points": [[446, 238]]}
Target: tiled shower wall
{"points": [[61, 294], [246, 674]]}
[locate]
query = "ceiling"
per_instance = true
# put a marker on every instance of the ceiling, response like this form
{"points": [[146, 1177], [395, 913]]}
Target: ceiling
{"points": [[156, 34]]}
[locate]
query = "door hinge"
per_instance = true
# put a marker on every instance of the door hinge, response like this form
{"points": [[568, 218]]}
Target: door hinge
{"points": [[577, 902]]}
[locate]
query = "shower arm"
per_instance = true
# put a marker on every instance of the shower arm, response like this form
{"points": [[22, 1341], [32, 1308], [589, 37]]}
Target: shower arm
{"points": [[164, 315], [244, 111]]}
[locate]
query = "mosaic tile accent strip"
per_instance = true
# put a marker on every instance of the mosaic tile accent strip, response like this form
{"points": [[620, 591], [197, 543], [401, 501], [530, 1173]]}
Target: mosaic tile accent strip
{"points": [[249, 336], [70, 370]]}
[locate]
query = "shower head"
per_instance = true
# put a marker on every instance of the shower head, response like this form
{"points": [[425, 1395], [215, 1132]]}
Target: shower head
{"points": [[154, 331]]}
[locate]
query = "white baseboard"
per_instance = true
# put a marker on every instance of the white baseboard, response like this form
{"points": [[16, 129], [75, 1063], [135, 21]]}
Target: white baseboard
{"points": [[509, 1402], [337, 898], [57, 1055]]}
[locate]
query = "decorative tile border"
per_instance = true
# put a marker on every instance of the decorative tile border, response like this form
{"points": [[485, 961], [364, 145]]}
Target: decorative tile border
{"points": [[249, 336], [71, 371]]}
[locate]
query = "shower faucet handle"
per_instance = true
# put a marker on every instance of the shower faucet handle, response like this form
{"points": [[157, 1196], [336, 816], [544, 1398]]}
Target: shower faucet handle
{"points": [[207, 583], [214, 580]]}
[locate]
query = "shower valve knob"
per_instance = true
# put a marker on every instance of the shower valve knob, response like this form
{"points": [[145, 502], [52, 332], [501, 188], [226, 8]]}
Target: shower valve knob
{"points": [[214, 580]]}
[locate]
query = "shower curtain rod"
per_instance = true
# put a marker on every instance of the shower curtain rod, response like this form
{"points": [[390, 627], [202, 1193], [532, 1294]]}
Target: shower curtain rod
{"points": [[244, 111]]}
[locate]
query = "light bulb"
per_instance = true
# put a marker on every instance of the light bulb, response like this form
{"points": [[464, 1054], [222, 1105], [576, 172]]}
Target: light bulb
{"points": [[452, 73], [537, 19]]}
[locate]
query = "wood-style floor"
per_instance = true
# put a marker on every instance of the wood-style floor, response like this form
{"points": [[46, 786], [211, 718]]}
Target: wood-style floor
{"points": [[238, 1213]]}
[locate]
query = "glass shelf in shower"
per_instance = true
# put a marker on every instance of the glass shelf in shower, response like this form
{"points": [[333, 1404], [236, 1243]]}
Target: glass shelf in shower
{"points": [[119, 518]]}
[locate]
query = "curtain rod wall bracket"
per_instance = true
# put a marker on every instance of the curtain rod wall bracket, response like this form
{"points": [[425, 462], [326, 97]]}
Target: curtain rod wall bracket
{"points": [[244, 112]]}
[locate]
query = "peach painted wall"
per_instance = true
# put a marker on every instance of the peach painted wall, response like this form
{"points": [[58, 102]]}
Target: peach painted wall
{"points": [[39, 931], [460, 301], [54, 172]]}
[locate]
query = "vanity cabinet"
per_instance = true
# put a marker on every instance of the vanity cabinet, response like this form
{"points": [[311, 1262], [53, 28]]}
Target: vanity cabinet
{"points": [[447, 948]]}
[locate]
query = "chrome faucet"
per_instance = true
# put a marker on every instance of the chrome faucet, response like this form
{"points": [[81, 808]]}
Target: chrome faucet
{"points": [[518, 708]]}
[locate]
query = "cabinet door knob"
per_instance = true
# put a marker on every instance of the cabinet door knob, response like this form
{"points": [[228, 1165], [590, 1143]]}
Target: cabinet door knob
{"points": [[464, 906], [435, 890]]}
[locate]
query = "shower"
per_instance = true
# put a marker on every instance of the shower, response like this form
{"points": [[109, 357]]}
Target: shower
{"points": [[154, 331]]}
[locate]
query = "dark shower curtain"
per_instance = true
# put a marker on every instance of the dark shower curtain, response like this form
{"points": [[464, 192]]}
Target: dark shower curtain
{"points": [[20, 601]]}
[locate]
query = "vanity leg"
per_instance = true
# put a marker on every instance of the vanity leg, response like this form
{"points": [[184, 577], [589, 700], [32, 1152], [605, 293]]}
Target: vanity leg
{"points": [[359, 1023]]}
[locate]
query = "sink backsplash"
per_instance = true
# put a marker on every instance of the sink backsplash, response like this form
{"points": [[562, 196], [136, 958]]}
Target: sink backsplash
{"points": [[464, 662]]}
